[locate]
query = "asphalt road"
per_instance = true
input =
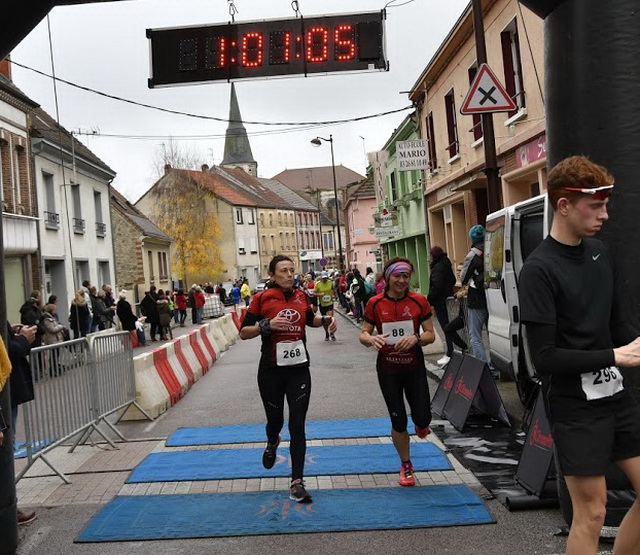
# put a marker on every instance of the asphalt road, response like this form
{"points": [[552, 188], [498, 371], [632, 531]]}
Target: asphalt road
{"points": [[344, 386]]}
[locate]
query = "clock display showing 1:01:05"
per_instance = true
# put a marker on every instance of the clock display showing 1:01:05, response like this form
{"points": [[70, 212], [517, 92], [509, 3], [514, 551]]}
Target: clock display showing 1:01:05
{"points": [[261, 49]]}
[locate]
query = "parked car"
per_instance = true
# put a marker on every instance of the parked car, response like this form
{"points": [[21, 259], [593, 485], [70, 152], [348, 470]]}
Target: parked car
{"points": [[261, 285]]}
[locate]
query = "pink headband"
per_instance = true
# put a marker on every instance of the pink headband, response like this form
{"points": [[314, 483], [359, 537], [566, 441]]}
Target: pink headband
{"points": [[397, 268]]}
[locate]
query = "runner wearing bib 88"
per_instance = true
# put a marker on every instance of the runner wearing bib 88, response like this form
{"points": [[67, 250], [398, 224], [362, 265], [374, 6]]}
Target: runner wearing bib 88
{"points": [[579, 340], [280, 315], [402, 320]]}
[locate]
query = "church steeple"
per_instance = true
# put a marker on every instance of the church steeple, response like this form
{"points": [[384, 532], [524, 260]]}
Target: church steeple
{"points": [[237, 150]]}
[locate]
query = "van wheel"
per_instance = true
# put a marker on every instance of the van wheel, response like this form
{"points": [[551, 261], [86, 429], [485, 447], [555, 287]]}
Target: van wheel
{"points": [[527, 390]]}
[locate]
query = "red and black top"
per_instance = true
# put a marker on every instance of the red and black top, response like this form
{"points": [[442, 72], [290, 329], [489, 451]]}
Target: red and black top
{"points": [[293, 305], [382, 309]]}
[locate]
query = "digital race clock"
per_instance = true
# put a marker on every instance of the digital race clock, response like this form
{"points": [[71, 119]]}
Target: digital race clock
{"points": [[325, 44]]}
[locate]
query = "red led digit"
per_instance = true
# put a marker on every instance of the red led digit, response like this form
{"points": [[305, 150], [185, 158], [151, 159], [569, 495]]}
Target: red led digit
{"points": [[317, 44], [216, 53], [345, 42], [251, 50]]}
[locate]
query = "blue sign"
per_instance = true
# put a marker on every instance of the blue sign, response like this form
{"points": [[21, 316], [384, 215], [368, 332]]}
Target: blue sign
{"points": [[323, 262]]}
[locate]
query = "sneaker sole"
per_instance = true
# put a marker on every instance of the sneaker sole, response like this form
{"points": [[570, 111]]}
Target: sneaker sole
{"points": [[409, 485], [307, 499]]}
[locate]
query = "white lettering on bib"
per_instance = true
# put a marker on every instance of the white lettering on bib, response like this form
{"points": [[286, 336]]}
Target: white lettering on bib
{"points": [[397, 330], [290, 353], [602, 383], [326, 298]]}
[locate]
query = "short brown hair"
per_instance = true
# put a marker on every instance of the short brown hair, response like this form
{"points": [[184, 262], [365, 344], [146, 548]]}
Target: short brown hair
{"points": [[578, 172]]}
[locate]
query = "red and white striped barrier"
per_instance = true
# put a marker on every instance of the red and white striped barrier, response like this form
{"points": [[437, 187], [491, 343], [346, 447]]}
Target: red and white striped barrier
{"points": [[151, 393]]}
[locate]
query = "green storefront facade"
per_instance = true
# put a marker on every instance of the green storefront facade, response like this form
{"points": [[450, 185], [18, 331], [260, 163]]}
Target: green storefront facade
{"points": [[404, 197]]}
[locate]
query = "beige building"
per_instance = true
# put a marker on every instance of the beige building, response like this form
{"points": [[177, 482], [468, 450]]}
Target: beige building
{"points": [[455, 183]]}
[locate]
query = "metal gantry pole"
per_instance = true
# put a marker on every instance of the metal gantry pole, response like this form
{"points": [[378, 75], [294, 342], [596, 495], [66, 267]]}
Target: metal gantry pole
{"points": [[335, 198], [8, 502]]}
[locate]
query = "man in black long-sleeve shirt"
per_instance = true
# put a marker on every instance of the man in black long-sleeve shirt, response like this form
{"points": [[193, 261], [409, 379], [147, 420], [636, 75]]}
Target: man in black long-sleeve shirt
{"points": [[578, 340]]}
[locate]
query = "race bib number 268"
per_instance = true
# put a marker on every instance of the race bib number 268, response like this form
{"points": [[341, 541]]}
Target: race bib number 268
{"points": [[290, 353], [602, 383]]}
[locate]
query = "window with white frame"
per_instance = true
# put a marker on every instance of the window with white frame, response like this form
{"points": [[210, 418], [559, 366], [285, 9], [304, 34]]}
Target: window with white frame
{"points": [[512, 63], [239, 219], [452, 124]]}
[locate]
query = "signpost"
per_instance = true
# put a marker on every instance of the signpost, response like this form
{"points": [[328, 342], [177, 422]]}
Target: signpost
{"points": [[486, 95], [412, 155]]}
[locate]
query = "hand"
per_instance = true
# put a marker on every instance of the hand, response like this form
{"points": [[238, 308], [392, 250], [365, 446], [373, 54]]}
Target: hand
{"points": [[1, 438], [629, 355], [378, 341], [406, 343], [16, 328], [279, 323], [29, 332]]}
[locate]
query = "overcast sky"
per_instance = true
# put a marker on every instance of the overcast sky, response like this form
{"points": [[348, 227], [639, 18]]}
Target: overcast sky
{"points": [[103, 46]]}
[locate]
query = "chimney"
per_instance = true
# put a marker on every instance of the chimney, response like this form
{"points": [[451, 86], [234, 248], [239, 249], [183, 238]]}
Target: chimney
{"points": [[5, 67], [167, 168]]}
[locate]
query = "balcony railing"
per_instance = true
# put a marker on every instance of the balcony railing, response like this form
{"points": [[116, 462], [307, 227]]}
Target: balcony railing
{"points": [[51, 220], [101, 229], [78, 225]]}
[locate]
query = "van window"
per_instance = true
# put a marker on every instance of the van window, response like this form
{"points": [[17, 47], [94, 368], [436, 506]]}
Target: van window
{"points": [[494, 253], [530, 233]]}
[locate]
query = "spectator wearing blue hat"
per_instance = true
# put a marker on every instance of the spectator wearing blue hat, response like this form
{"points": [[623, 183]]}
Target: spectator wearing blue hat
{"points": [[472, 274]]}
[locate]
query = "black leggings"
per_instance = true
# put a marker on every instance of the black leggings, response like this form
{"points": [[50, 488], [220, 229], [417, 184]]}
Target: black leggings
{"points": [[295, 383], [416, 389]]}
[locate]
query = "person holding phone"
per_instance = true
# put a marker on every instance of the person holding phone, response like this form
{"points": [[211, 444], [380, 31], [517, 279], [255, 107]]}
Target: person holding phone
{"points": [[403, 325]]}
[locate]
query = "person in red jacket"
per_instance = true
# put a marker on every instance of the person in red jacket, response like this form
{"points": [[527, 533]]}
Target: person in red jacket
{"points": [[280, 315], [199, 301], [181, 306]]}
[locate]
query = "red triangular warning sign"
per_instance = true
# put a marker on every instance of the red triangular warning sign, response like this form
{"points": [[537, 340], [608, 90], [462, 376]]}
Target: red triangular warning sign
{"points": [[486, 94]]}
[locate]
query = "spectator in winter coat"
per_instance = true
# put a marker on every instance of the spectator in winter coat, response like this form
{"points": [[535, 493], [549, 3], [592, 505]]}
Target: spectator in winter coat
{"points": [[199, 301], [149, 310], [128, 319], [53, 331], [441, 282], [191, 303], [164, 316], [79, 315], [181, 306], [31, 314]]}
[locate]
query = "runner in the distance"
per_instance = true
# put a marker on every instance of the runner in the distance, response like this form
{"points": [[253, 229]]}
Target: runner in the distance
{"points": [[403, 323], [280, 315], [323, 290], [579, 340]]}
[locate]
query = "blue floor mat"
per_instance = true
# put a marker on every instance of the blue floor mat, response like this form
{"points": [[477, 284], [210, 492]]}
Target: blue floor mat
{"points": [[219, 464], [20, 450], [255, 433], [205, 515]]}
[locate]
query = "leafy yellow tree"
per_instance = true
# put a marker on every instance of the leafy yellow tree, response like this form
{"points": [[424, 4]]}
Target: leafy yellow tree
{"points": [[184, 211]]}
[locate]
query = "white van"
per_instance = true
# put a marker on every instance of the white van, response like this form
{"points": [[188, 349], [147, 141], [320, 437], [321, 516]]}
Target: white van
{"points": [[512, 234]]}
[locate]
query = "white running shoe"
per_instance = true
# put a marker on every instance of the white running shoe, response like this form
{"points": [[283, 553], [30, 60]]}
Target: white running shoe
{"points": [[444, 360]]}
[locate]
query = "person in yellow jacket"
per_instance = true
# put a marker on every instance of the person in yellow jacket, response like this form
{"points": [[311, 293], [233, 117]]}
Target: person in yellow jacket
{"points": [[245, 292]]}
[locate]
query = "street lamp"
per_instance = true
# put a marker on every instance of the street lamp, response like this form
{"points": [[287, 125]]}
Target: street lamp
{"points": [[317, 142]]}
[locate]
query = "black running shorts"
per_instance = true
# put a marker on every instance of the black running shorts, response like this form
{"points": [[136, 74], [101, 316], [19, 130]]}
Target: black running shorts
{"points": [[325, 309], [585, 447]]}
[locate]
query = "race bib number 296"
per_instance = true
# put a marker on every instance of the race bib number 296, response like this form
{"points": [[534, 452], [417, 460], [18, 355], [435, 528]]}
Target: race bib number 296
{"points": [[602, 383]]}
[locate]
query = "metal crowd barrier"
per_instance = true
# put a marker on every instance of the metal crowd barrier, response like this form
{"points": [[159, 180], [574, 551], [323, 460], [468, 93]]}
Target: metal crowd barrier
{"points": [[77, 385], [457, 310]]}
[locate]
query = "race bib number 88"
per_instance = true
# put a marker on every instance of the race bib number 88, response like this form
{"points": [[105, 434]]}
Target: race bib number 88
{"points": [[397, 330], [290, 353], [602, 383]]}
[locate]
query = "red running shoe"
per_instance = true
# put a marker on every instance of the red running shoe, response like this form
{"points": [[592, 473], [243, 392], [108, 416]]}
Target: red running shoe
{"points": [[422, 433], [406, 475]]}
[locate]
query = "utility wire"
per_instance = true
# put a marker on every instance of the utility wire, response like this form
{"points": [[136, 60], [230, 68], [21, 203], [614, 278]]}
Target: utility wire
{"points": [[213, 118]]}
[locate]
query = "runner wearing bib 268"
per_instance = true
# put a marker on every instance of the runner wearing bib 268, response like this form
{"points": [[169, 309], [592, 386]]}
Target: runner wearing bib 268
{"points": [[402, 320], [280, 315], [574, 321]]}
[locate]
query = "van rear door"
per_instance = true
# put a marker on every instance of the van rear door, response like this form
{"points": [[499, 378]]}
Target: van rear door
{"points": [[497, 234]]}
